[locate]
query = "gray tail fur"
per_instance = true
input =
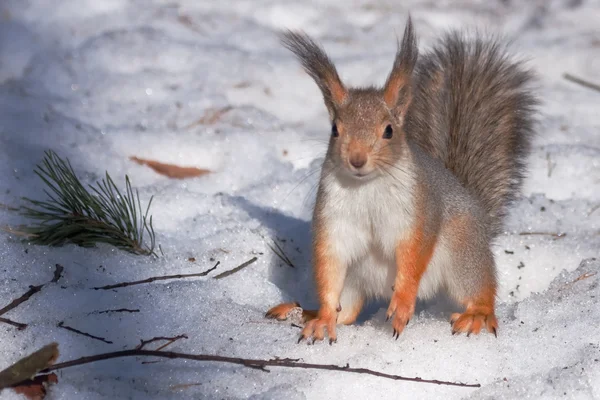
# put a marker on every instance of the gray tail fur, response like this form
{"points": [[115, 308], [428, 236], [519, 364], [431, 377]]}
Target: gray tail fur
{"points": [[473, 109]]}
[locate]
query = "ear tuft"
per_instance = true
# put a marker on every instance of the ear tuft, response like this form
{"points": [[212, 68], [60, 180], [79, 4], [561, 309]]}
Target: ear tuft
{"points": [[397, 89], [318, 65]]}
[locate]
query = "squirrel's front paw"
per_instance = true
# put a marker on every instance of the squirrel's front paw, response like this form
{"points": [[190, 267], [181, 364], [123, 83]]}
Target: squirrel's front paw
{"points": [[315, 328], [402, 311]]}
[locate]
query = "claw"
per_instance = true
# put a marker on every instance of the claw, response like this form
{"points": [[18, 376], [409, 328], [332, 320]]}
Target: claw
{"points": [[495, 333], [332, 341], [301, 338], [407, 321], [454, 332], [387, 318]]}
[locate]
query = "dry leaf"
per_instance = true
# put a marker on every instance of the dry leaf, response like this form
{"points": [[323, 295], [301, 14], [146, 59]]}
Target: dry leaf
{"points": [[170, 170], [35, 389], [27, 367]]}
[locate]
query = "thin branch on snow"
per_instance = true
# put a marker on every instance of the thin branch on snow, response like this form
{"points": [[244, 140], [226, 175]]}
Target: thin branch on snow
{"points": [[62, 325], [555, 235], [236, 269], [119, 310], [170, 340], [17, 325], [32, 290], [157, 278], [250, 363], [581, 82]]}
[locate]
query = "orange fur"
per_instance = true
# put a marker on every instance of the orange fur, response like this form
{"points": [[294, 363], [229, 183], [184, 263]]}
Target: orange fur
{"points": [[412, 257], [281, 312], [338, 91], [479, 314], [392, 88], [329, 280]]}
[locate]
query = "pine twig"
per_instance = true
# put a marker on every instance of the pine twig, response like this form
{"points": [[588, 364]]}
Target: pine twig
{"points": [[157, 278], [281, 254], [236, 269], [76, 214], [250, 363]]}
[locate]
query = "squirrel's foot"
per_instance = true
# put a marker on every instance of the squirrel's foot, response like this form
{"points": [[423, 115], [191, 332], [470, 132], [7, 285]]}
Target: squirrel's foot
{"points": [[402, 311], [282, 311], [473, 320], [286, 310], [315, 328]]}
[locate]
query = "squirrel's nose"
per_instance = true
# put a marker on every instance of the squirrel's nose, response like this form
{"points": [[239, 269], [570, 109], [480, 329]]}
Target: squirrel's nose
{"points": [[358, 160]]}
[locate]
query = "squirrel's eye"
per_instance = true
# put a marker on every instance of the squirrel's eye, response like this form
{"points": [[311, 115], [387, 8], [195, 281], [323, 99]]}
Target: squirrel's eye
{"points": [[388, 133], [334, 131]]}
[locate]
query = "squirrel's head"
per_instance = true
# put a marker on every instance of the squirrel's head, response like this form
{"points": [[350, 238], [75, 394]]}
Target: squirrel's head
{"points": [[367, 135]]}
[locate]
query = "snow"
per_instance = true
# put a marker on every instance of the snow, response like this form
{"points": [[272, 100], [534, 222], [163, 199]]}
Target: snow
{"points": [[100, 81]]}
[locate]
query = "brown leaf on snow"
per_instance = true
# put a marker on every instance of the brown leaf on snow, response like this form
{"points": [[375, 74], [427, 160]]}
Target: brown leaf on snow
{"points": [[35, 389], [210, 117], [27, 367], [170, 170]]}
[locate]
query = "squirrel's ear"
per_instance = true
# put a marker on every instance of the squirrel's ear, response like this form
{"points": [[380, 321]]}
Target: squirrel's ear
{"points": [[398, 87], [318, 65]]}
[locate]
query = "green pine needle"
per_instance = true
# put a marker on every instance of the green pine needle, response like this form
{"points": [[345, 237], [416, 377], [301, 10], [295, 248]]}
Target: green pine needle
{"points": [[73, 214]]}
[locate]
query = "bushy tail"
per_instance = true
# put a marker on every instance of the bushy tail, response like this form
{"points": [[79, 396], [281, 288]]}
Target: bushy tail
{"points": [[473, 109]]}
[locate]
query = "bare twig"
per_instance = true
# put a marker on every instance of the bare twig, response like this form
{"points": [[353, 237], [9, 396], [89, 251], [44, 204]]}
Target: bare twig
{"points": [[236, 269], [596, 207], [157, 278], [17, 325], [26, 296], [156, 339], [551, 165], [281, 254], [581, 82], [118, 310], [32, 290], [556, 235], [582, 277], [250, 363], [58, 270], [62, 325]]}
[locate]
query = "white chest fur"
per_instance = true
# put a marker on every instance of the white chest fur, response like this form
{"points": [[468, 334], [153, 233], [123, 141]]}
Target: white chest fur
{"points": [[365, 221]]}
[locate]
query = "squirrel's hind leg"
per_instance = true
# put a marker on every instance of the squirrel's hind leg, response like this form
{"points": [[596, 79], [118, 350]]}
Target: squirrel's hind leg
{"points": [[472, 278]]}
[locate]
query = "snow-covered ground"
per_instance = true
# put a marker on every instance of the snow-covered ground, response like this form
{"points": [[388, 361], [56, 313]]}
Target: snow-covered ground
{"points": [[100, 81]]}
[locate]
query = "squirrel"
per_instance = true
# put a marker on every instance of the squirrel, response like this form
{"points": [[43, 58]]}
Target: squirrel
{"points": [[416, 181]]}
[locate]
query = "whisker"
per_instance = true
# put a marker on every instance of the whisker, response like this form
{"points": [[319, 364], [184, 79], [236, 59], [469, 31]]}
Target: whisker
{"points": [[308, 175]]}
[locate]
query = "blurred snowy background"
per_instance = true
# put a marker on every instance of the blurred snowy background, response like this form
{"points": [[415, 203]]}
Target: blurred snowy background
{"points": [[206, 84]]}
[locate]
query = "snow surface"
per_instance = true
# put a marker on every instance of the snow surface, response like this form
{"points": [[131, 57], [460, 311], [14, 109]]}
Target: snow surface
{"points": [[100, 81]]}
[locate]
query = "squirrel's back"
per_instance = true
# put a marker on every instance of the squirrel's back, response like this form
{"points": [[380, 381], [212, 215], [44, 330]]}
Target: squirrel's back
{"points": [[472, 109]]}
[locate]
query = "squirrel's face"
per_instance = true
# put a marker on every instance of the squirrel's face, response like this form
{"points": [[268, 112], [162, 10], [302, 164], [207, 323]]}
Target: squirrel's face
{"points": [[366, 136], [366, 131]]}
